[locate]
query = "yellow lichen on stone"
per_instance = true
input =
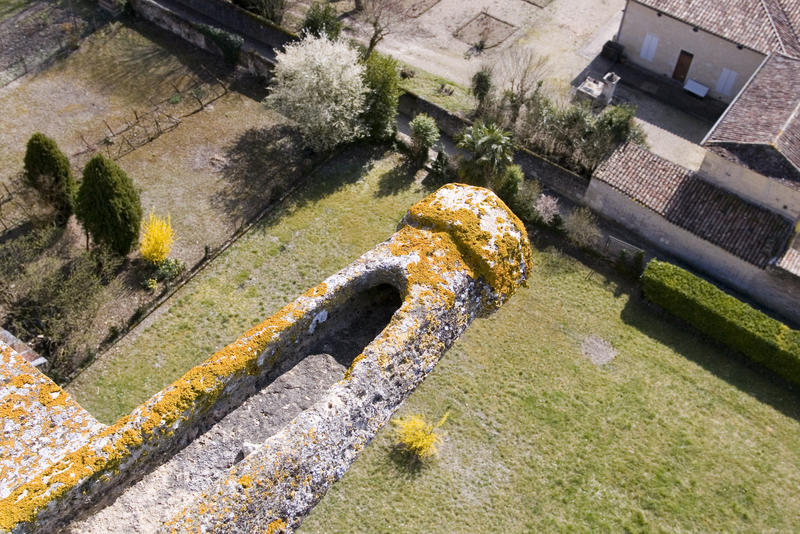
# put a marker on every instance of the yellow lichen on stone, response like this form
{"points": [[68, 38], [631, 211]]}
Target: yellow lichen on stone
{"points": [[277, 526], [317, 291], [496, 247]]}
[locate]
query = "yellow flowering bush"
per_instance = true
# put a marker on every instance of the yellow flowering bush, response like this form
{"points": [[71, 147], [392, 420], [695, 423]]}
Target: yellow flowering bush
{"points": [[417, 436], [157, 239]]}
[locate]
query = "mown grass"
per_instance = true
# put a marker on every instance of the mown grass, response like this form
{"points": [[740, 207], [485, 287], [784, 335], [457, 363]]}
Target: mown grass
{"points": [[350, 205], [10, 7], [427, 86], [675, 434]]}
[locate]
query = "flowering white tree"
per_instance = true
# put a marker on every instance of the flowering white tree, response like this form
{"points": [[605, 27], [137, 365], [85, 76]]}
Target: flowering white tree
{"points": [[318, 83]]}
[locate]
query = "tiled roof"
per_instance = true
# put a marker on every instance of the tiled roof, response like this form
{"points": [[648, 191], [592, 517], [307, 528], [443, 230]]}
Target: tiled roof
{"points": [[763, 25], [750, 232], [766, 112], [790, 262]]}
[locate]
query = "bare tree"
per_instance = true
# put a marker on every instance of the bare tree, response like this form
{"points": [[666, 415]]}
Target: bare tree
{"points": [[521, 75], [382, 17]]}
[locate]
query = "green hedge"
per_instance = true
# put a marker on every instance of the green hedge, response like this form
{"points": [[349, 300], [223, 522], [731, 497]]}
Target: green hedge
{"points": [[724, 318]]}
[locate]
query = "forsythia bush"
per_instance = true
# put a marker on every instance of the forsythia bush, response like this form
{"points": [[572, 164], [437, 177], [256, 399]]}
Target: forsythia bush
{"points": [[417, 436], [157, 239]]}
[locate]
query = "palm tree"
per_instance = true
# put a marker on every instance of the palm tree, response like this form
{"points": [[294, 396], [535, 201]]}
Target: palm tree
{"points": [[491, 149]]}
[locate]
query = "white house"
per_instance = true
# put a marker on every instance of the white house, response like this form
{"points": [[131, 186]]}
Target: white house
{"points": [[713, 47]]}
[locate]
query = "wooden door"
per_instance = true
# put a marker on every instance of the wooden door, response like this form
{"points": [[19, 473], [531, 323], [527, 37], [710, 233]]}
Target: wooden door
{"points": [[682, 66]]}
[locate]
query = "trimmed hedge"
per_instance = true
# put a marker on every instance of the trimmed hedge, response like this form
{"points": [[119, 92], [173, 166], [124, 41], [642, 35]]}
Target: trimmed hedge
{"points": [[724, 318]]}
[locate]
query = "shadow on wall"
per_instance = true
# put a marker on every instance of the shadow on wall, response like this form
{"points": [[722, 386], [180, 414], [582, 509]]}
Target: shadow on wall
{"points": [[724, 363]]}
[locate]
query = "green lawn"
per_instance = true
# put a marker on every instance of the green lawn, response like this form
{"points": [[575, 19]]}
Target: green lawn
{"points": [[10, 7], [352, 203], [673, 435]]}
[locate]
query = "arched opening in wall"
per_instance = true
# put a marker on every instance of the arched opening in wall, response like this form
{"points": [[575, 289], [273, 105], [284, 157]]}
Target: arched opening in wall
{"points": [[353, 324], [307, 369]]}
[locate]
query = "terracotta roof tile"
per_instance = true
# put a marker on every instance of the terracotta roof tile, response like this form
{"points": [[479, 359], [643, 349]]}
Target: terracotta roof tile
{"points": [[763, 25], [747, 231], [766, 112], [790, 262]]}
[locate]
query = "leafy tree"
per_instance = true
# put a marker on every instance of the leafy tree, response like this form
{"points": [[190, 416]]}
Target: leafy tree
{"points": [[321, 19], [318, 83], [157, 239], [492, 150], [509, 185], [382, 79], [482, 85], [424, 134], [108, 205], [47, 170]]}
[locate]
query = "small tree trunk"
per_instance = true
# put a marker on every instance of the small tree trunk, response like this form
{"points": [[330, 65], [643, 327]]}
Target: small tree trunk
{"points": [[359, 5]]}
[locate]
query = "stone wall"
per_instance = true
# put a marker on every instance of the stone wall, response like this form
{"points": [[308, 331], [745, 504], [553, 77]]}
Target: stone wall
{"points": [[553, 176], [243, 22], [764, 286], [457, 255]]}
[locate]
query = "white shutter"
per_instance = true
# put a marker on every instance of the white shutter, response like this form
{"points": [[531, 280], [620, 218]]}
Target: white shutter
{"points": [[726, 81], [649, 47]]}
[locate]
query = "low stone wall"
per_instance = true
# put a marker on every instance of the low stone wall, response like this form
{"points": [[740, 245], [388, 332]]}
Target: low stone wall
{"points": [[552, 176], [243, 22], [457, 255], [767, 287], [250, 59]]}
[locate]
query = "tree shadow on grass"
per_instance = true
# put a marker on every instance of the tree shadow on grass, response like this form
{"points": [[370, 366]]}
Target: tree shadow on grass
{"points": [[346, 165], [259, 167], [396, 180], [721, 361]]}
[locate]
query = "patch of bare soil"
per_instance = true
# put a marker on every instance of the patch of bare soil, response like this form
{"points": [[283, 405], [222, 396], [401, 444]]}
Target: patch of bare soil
{"points": [[415, 8], [485, 29], [598, 350], [35, 34], [193, 137]]}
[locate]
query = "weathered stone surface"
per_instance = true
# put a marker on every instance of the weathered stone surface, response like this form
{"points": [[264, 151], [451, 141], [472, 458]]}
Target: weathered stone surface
{"points": [[40, 421], [458, 254]]}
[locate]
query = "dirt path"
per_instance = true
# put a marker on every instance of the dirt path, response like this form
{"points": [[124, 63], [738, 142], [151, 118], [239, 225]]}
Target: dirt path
{"points": [[564, 31]]}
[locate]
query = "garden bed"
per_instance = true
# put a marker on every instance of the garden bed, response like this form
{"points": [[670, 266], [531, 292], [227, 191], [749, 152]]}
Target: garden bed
{"points": [[219, 165]]}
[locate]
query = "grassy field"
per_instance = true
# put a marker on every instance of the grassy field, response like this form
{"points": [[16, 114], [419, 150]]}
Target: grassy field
{"points": [[220, 167], [428, 86], [350, 205], [674, 434]]}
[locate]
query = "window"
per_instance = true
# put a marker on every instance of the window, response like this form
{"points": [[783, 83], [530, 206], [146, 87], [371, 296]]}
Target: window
{"points": [[726, 81], [649, 47]]}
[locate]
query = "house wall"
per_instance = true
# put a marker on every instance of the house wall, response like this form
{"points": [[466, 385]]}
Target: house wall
{"points": [[766, 287], [712, 54], [751, 185]]}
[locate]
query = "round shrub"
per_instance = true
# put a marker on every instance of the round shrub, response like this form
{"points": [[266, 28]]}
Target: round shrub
{"points": [[382, 79], [47, 170], [510, 183], [424, 134], [108, 205], [321, 18]]}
